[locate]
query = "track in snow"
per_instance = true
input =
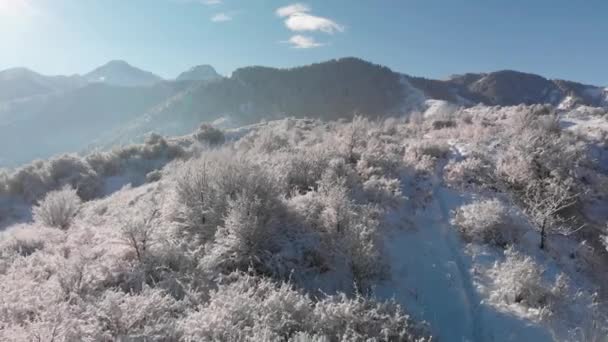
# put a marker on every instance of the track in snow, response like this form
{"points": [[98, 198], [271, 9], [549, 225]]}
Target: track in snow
{"points": [[430, 277]]}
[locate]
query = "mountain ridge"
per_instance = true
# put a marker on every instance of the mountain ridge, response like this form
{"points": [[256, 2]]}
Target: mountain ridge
{"points": [[331, 90]]}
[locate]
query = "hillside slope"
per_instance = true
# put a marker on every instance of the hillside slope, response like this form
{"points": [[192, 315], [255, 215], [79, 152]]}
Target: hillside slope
{"points": [[345, 230]]}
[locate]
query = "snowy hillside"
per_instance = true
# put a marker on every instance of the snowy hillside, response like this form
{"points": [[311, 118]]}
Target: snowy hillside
{"points": [[458, 224]]}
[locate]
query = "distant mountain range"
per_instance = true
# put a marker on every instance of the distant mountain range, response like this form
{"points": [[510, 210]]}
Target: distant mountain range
{"points": [[118, 103], [20, 83]]}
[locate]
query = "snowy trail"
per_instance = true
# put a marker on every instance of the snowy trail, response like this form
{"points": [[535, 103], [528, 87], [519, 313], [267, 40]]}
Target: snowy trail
{"points": [[430, 277]]}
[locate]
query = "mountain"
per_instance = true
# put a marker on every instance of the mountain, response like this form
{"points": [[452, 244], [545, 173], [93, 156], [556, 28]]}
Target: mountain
{"points": [[199, 73], [345, 87], [70, 121], [509, 88], [118, 103], [330, 90], [121, 73], [18, 83]]}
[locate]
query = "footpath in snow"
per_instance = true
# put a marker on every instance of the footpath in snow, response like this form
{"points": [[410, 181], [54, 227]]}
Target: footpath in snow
{"points": [[431, 278]]}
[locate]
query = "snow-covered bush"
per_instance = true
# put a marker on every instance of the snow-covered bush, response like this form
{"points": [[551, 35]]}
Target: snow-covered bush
{"points": [[25, 240], [266, 140], [486, 221], [153, 176], [254, 309], [519, 280], [537, 151], [380, 158], [383, 191], [209, 135], [423, 155], [205, 186], [138, 233], [351, 229], [471, 170], [300, 169], [441, 124], [39, 177], [57, 208], [248, 238], [148, 315]]}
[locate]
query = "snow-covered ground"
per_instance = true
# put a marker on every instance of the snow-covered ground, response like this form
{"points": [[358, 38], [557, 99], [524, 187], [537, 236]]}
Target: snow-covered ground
{"points": [[453, 284], [434, 278]]}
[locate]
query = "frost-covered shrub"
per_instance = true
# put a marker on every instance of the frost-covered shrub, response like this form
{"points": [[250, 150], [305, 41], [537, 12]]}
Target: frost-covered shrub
{"points": [[380, 158], [536, 151], [265, 140], [306, 337], [153, 176], [299, 169], [138, 233], [205, 186], [249, 309], [209, 135], [57, 208], [254, 309], [27, 239], [152, 155], [39, 177], [441, 124], [423, 155], [486, 221], [248, 238], [148, 315], [383, 191], [362, 319], [519, 280], [351, 229], [468, 171]]}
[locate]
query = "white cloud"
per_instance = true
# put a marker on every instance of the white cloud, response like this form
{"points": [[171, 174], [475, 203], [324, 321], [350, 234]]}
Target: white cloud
{"points": [[306, 22], [303, 42], [211, 2], [298, 19], [221, 17], [292, 9]]}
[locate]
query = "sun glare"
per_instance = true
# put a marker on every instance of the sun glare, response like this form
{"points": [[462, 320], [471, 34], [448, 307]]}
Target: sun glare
{"points": [[15, 8]]}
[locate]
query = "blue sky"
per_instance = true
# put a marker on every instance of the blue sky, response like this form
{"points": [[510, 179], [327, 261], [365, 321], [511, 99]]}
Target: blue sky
{"points": [[431, 38]]}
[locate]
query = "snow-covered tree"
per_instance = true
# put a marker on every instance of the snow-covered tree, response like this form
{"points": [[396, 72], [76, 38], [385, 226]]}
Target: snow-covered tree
{"points": [[545, 202], [486, 221], [57, 208]]}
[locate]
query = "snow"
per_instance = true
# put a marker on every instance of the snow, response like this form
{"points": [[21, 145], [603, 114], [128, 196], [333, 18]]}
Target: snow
{"points": [[439, 109], [431, 277], [434, 274], [567, 103], [583, 121]]}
